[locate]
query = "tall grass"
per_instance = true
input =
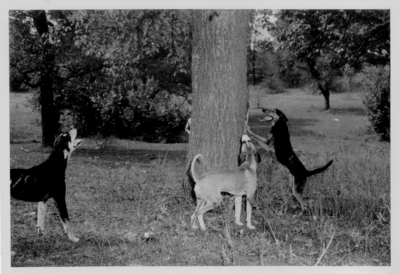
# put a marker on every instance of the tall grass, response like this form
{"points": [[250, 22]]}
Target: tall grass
{"points": [[128, 214], [131, 210], [351, 198]]}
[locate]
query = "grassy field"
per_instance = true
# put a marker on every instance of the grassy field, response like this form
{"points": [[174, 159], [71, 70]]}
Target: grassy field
{"points": [[118, 193]]}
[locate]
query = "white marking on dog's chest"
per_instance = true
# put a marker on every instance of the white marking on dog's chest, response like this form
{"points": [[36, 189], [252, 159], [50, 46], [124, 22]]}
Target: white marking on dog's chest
{"points": [[66, 153]]}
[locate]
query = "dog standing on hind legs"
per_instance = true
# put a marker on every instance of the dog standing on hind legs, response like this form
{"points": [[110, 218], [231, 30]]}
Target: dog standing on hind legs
{"points": [[47, 180], [238, 182], [279, 139]]}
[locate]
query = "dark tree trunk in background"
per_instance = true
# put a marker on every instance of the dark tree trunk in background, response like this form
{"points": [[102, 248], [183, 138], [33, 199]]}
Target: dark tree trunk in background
{"points": [[323, 86], [49, 114], [254, 65], [220, 93], [325, 92]]}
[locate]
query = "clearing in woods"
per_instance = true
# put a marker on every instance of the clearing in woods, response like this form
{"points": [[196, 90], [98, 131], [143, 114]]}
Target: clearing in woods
{"points": [[120, 192]]}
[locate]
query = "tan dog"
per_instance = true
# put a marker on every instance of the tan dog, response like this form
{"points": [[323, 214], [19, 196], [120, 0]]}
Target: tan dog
{"points": [[238, 182]]}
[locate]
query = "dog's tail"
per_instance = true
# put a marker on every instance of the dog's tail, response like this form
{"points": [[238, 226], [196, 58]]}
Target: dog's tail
{"points": [[192, 170], [318, 170]]}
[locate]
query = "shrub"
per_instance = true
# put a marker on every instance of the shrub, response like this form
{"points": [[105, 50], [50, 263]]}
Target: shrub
{"points": [[139, 111], [273, 84], [377, 101], [127, 109]]}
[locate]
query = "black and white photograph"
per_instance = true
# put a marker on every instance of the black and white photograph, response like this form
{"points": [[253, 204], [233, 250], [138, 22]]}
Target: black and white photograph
{"points": [[167, 136]]}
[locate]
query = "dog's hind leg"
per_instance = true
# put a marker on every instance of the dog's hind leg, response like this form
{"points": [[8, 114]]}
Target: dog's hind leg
{"points": [[298, 188], [62, 211], [200, 203], [208, 206], [41, 215], [238, 209], [291, 185]]}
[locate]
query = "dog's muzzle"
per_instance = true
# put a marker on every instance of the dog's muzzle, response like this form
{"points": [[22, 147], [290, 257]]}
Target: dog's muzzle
{"points": [[246, 140]]}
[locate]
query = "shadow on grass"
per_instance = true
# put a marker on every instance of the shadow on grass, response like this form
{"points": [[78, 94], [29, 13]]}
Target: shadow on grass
{"points": [[355, 111], [24, 142], [132, 155]]}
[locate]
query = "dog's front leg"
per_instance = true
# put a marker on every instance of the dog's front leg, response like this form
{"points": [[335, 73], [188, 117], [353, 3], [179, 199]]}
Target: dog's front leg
{"points": [[249, 212], [62, 211], [238, 209], [41, 215]]}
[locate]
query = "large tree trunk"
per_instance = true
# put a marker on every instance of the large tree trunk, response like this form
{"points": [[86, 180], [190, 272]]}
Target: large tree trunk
{"points": [[49, 114], [220, 92]]}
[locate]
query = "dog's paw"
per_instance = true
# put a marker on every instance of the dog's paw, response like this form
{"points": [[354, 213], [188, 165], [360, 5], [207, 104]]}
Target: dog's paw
{"points": [[40, 231], [195, 227], [239, 223], [249, 226], [73, 239]]}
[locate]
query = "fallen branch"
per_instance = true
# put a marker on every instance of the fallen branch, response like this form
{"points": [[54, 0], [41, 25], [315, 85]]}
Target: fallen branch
{"points": [[270, 227], [325, 249]]}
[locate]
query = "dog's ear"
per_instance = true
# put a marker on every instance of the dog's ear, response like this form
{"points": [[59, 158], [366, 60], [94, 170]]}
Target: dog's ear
{"points": [[57, 140], [241, 158], [281, 115], [258, 157]]}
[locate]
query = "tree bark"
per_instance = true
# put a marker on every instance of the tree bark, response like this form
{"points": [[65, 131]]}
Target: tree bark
{"points": [[49, 114], [220, 92], [325, 92], [254, 66]]}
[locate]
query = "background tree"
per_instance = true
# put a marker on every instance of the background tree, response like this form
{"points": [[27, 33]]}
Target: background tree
{"points": [[220, 93], [323, 42], [123, 73], [377, 100], [43, 58], [145, 43], [146, 55], [35, 63]]}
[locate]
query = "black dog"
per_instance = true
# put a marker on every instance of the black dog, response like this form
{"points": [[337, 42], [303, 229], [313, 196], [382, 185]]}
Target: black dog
{"points": [[47, 180], [279, 139]]}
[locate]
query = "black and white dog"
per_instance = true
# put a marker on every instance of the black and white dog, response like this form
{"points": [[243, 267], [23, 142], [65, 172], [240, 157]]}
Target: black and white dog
{"points": [[279, 140], [47, 180]]}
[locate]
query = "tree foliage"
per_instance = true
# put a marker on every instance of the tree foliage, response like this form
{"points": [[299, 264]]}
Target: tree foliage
{"points": [[35, 52], [144, 44], [377, 100], [146, 55], [116, 72], [323, 42]]}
